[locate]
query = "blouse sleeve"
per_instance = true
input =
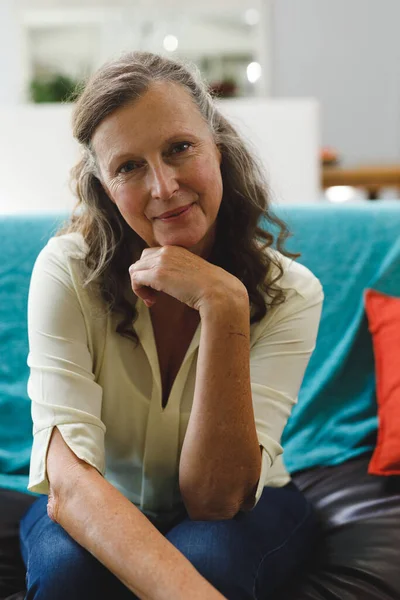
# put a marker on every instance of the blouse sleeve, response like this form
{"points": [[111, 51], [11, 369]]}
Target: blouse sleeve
{"points": [[278, 360], [61, 385]]}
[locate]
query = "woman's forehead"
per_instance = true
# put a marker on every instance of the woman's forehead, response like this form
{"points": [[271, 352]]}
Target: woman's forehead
{"points": [[163, 104], [164, 112]]}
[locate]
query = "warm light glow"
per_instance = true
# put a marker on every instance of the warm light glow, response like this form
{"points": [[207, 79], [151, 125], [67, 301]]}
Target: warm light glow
{"points": [[170, 43], [253, 72], [340, 193], [252, 16]]}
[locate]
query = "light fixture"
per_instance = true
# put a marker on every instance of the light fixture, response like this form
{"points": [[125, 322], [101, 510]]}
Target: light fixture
{"points": [[252, 16], [340, 193], [170, 43], [253, 72]]}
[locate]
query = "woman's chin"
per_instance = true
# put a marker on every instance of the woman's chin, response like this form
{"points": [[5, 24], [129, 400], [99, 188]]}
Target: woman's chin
{"points": [[198, 239], [197, 245]]}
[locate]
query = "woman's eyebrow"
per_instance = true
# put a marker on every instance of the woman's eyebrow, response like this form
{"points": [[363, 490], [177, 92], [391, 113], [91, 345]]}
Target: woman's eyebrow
{"points": [[181, 135]]}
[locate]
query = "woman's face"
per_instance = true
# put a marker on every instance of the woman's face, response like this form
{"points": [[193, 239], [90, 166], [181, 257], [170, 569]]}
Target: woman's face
{"points": [[157, 156]]}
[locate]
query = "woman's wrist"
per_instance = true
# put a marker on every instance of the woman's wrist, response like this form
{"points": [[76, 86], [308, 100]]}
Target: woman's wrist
{"points": [[222, 304]]}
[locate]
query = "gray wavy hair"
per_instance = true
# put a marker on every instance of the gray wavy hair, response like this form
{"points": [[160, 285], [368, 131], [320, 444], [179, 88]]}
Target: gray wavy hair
{"points": [[241, 243]]}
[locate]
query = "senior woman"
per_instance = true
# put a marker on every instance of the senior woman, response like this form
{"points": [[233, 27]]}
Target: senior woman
{"points": [[168, 342]]}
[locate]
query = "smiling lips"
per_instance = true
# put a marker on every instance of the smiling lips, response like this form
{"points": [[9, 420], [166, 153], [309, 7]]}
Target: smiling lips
{"points": [[175, 213]]}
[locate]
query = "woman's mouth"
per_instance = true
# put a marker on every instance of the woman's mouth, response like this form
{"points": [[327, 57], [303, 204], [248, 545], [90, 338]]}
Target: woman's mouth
{"points": [[176, 214]]}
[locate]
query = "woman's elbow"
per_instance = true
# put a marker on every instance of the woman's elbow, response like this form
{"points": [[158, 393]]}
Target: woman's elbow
{"points": [[210, 510], [52, 506]]}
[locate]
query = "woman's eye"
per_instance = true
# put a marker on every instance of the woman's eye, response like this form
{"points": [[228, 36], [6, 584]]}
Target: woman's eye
{"points": [[127, 167], [181, 147]]}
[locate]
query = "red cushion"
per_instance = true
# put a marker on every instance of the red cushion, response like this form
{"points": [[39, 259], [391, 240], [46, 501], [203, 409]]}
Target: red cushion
{"points": [[383, 314]]}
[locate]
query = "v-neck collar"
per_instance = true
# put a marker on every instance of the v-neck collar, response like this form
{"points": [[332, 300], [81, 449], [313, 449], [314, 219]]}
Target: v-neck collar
{"points": [[144, 329]]}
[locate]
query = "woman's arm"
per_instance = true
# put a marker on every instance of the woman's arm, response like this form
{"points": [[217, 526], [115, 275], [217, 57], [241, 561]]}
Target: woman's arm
{"points": [[221, 458], [222, 469], [219, 444], [111, 528]]}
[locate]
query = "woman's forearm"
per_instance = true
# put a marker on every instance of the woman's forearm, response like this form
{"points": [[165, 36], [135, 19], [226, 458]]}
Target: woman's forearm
{"points": [[221, 459], [111, 528]]}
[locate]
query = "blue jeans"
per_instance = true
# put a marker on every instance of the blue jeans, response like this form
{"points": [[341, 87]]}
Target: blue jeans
{"points": [[247, 557]]}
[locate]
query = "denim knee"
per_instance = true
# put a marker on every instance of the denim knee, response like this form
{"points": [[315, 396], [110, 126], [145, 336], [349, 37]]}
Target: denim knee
{"points": [[59, 568], [251, 555], [221, 563]]}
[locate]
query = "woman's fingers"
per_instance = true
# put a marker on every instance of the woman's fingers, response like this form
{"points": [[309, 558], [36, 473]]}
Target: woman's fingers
{"points": [[146, 293], [142, 270]]}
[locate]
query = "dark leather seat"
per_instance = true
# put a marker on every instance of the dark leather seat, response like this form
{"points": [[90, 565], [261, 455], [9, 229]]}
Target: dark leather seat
{"points": [[357, 558], [12, 571]]}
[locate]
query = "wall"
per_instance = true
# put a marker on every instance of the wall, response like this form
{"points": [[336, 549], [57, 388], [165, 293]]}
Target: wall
{"points": [[12, 55], [346, 53], [284, 135], [37, 152]]}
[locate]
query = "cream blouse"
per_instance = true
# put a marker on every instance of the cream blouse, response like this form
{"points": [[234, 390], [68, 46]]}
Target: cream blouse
{"points": [[104, 393]]}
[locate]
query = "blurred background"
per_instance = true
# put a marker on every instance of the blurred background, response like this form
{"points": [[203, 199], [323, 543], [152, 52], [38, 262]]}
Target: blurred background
{"points": [[313, 85]]}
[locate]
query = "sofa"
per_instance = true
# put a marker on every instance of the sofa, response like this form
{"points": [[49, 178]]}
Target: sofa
{"points": [[331, 434]]}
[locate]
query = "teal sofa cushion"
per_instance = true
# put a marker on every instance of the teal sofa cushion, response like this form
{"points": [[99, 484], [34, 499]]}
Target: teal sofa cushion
{"points": [[349, 248], [22, 238]]}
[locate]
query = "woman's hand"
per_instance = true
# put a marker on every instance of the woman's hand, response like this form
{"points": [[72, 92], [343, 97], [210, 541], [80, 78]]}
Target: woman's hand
{"points": [[183, 275]]}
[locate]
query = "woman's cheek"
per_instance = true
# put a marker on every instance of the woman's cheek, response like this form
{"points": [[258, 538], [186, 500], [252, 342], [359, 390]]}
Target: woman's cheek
{"points": [[126, 199], [132, 208]]}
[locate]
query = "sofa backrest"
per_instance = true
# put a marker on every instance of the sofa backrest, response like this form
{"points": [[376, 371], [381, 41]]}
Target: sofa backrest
{"points": [[350, 248], [22, 238]]}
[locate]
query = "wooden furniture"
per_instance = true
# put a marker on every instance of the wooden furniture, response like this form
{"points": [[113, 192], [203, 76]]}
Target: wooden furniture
{"points": [[372, 178]]}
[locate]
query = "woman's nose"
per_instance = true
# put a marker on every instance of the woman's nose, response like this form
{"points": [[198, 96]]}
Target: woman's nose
{"points": [[163, 182]]}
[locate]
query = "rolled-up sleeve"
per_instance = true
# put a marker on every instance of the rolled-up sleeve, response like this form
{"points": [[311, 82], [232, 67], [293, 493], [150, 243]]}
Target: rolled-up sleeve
{"points": [[61, 384], [278, 360]]}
